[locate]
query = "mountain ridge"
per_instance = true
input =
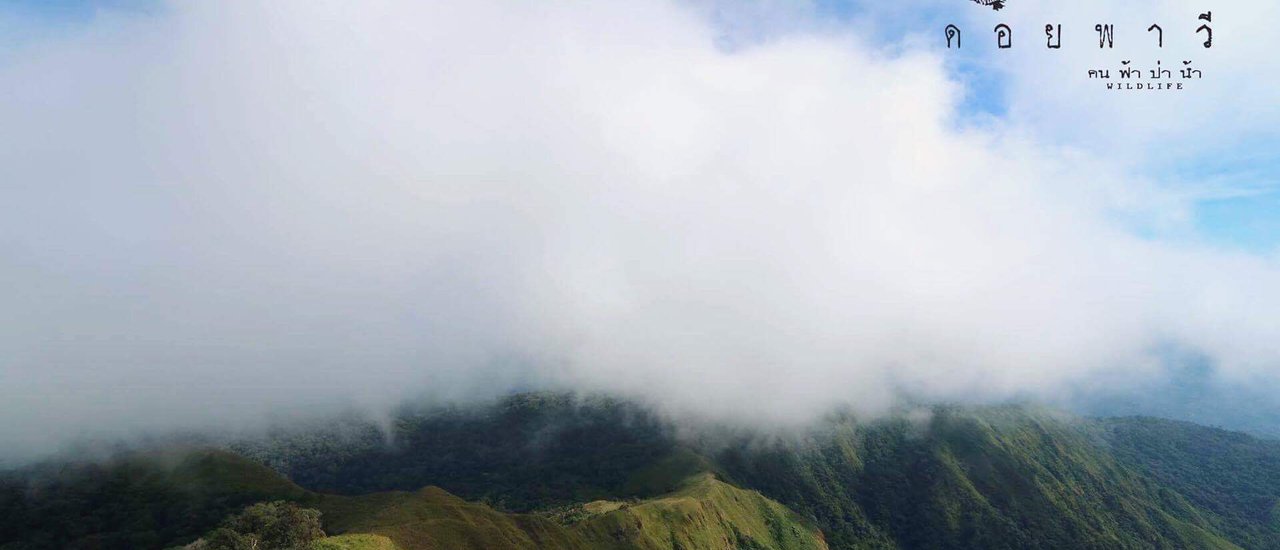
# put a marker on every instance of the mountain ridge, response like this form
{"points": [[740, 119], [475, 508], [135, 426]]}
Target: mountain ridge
{"points": [[556, 471]]}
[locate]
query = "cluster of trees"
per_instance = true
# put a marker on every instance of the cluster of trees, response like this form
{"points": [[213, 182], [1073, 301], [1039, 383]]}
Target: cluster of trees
{"points": [[277, 525]]}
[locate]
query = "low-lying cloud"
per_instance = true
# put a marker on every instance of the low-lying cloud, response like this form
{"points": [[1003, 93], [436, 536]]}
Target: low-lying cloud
{"points": [[214, 211]]}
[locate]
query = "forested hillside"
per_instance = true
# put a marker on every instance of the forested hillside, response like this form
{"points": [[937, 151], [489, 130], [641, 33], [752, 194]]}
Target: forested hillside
{"points": [[557, 471]]}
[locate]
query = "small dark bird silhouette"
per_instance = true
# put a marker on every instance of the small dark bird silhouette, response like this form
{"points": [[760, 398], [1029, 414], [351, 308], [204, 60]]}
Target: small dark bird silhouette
{"points": [[995, 4]]}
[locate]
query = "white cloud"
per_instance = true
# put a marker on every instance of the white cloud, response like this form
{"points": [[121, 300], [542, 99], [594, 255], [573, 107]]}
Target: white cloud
{"points": [[225, 208], [1225, 120]]}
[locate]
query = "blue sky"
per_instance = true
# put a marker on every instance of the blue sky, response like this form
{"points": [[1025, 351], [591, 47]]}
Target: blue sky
{"points": [[62, 11], [1242, 209], [1248, 222]]}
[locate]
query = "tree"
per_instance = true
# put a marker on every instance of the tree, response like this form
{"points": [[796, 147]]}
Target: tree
{"points": [[275, 525]]}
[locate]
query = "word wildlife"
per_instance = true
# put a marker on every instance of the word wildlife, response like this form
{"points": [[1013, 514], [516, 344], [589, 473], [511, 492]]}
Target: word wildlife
{"points": [[1106, 39]]}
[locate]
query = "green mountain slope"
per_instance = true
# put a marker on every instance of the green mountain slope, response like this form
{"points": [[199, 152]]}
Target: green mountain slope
{"points": [[1234, 477], [705, 514], [524, 452], [355, 542], [434, 519], [551, 471], [992, 478], [138, 501]]}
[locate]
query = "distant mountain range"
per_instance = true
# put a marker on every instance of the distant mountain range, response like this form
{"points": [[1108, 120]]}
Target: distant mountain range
{"points": [[559, 471], [1189, 389]]}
